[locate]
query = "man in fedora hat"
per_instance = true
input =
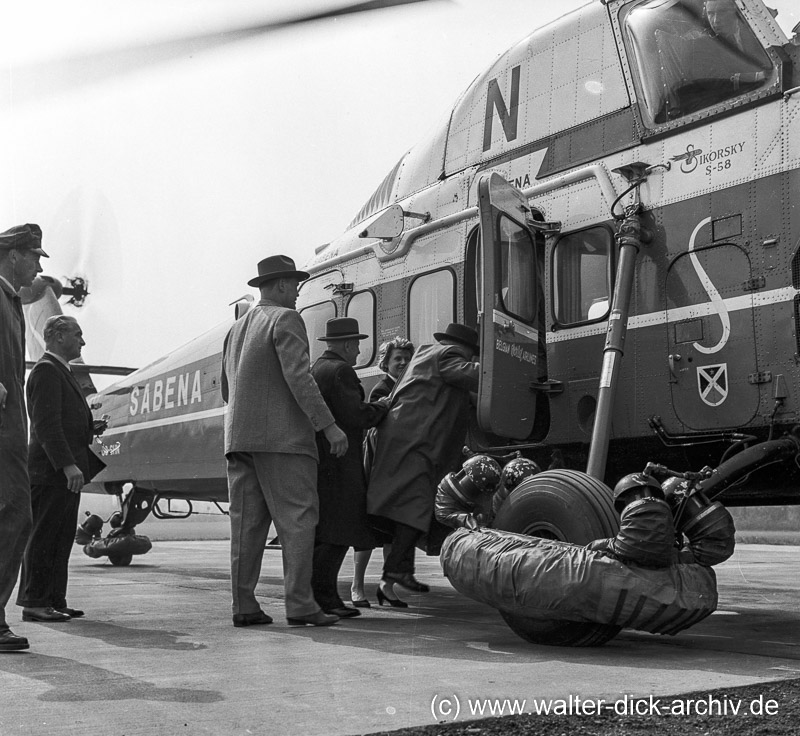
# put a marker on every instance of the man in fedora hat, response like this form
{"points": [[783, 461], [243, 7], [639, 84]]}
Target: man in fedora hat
{"points": [[341, 484], [419, 442], [274, 410], [20, 251]]}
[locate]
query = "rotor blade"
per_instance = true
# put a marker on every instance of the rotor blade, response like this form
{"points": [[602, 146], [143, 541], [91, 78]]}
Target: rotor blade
{"points": [[39, 79]]}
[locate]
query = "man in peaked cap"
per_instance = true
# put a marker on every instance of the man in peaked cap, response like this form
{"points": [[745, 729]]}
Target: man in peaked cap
{"points": [[274, 410], [20, 252], [418, 442]]}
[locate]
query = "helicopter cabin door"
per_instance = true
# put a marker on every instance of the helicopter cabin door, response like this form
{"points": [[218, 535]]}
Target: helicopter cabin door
{"points": [[513, 358], [713, 366]]}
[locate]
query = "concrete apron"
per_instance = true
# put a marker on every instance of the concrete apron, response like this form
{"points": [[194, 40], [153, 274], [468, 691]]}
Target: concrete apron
{"points": [[157, 654]]}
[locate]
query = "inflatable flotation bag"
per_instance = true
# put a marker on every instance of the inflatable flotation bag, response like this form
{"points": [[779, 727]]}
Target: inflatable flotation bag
{"points": [[549, 580]]}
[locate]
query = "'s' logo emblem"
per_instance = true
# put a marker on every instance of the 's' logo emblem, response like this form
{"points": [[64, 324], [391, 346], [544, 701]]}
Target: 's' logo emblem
{"points": [[712, 383]]}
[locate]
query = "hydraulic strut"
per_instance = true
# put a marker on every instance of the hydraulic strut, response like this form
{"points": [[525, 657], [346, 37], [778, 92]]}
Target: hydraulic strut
{"points": [[630, 238]]}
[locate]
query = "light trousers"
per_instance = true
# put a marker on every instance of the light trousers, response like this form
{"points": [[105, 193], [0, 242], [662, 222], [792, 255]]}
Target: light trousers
{"points": [[264, 488]]}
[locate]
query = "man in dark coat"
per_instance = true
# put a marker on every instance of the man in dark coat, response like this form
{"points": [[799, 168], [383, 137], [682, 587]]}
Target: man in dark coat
{"points": [[341, 484], [419, 441], [20, 251], [60, 462]]}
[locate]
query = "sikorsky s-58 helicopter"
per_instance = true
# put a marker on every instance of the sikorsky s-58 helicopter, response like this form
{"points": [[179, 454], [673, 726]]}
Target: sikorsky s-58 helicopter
{"points": [[613, 204]]}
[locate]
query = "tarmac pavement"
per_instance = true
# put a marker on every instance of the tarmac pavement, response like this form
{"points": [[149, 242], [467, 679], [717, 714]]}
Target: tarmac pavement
{"points": [[157, 654]]}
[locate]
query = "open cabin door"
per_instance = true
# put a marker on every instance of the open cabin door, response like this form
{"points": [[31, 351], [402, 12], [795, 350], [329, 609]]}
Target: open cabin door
{"points": [[512, 313]]}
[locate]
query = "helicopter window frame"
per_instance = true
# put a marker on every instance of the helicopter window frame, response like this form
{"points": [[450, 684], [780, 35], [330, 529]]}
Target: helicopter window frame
{"points": [[503, 288], [562, 283], [316, 347], [365, 359], [412, 331], [641, 61]]}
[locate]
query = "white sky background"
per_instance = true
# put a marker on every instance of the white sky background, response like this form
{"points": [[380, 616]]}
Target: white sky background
{"points": [[165, 186]]}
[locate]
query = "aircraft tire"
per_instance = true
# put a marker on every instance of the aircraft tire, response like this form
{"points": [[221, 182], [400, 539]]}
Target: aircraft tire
{"points": [[120, 560], [569, 506], [566, 505]]}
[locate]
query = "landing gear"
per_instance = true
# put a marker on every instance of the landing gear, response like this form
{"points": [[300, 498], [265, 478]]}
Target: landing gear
{"points": [[569, 506], [122, 542]]}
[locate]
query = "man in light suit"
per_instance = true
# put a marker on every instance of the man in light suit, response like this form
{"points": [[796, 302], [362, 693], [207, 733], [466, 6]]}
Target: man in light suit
{"points": [[60, 462], [274, 410]]}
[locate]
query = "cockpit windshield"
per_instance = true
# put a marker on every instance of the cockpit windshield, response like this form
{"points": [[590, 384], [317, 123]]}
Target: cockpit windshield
{"points": [[693, 54]]}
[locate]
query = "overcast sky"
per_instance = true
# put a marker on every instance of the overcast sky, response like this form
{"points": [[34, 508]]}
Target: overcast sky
{"points": [[166, 182]]}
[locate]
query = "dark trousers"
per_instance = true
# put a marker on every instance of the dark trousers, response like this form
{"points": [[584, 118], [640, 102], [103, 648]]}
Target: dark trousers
{"points": [[328, 559], [401, 555], [43, 581], [15, 514]]}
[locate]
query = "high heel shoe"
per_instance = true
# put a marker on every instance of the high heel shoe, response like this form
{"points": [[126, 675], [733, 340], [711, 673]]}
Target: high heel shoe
{"points": [[393, 602], [407, 580]]}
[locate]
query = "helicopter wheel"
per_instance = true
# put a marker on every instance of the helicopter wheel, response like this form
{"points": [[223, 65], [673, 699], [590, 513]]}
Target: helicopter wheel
{"points": [[568, 506], [120, 560]]}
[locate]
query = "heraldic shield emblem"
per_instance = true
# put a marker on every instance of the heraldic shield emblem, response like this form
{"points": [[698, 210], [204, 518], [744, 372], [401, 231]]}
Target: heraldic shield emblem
{"points": [[712, 383]]}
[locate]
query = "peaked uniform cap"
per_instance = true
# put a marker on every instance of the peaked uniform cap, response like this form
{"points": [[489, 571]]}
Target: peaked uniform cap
{"points": [[342, 328], [276, 267], [460, 333], [23, 237]]}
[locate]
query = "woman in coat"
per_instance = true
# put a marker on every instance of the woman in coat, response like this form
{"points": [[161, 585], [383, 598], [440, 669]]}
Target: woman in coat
{"points": [[393, 358]]}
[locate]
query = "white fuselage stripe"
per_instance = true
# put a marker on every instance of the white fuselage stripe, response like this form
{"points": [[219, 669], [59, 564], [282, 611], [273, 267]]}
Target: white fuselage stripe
{"points": [[732, 304], [152, 423]]}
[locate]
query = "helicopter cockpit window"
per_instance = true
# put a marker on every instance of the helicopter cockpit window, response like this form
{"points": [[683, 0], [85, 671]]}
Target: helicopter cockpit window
{"points": [[517, 270], [362, 308], [581, 276], [693, 54], [315, 317]]}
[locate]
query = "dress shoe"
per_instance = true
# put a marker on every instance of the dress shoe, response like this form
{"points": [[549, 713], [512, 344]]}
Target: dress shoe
{"points": [[343, 611], [313, 619], [71, 612], [393, 602], [10, 642], [360, 603], [407, 580], [251, 619], [47, 615]]}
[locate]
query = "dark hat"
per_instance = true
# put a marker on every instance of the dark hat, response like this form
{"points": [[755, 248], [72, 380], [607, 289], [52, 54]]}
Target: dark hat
{"points": [[459, 333], [23, 237], [342, 328], [276, 267]]}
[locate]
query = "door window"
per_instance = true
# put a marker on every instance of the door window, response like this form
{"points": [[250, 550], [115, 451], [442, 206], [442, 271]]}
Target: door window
{"points": [[517, 270], [431, 305]]}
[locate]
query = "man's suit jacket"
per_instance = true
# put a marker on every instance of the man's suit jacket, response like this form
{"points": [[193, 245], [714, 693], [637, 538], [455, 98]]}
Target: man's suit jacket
{"points": [[274, 404], [61, 425]]}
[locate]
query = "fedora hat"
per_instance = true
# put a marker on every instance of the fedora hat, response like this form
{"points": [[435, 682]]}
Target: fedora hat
{"points": [[342, 328], [276, 267], [459, 333]]}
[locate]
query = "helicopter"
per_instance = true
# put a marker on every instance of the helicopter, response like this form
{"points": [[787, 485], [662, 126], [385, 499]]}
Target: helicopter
{"points": [[612, 204]]}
